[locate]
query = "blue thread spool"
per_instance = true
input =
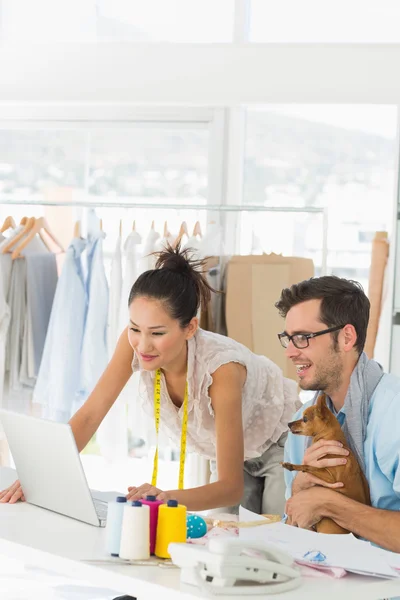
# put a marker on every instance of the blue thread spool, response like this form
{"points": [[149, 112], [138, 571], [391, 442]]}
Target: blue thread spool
{"points": [[196, 526]]}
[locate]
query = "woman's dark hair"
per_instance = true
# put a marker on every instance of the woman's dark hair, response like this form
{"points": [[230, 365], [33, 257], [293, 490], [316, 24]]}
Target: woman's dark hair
{"points": [[343, 302], [178, 281]]}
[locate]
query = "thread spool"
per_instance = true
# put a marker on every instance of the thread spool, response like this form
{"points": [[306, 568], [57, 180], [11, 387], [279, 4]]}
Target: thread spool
{"points": [[153, 504], [115, 513], [171, 527], [135, 534]]}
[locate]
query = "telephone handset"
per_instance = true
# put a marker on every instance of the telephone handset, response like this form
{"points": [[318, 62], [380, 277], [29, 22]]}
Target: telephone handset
{"points": [[233, 567]]}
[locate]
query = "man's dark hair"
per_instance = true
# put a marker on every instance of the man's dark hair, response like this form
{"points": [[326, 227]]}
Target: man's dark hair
{"points": [[343, 302]]}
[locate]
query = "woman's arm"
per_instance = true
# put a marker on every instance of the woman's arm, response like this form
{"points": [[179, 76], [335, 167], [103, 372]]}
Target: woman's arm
{"points": [[87, 419], [226, 396]]}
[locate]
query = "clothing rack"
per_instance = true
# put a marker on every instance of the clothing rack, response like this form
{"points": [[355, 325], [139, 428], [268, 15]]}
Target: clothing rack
{"points": [[98, 202]]}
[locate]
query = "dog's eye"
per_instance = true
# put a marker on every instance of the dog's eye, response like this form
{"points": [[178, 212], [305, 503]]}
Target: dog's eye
{"points": [[305, 419]]}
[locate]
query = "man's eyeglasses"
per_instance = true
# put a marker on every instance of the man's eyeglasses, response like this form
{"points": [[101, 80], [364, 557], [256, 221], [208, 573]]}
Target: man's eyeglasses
{"points": [[302, 340]]}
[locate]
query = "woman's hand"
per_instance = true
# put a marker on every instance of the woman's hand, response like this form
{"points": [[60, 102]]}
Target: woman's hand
{"points": [[139, 493], [12, 494]]}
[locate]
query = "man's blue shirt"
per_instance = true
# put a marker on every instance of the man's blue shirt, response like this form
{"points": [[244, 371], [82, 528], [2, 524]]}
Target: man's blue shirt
{"points": [[381, 446]]}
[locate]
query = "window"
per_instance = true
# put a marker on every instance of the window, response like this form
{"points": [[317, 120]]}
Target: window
{"points": [[34, 160], [313, 21], [339, 157], [162, 161]]}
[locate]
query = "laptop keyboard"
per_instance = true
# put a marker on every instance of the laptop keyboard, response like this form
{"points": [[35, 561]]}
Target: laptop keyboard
{"points": [[101, 509]]}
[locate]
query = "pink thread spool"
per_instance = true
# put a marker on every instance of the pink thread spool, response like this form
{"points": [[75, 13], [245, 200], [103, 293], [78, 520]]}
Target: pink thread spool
{"points": [[153, 505]]}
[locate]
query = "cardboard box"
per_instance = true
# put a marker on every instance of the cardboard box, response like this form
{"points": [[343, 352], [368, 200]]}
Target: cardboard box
{"points": [[254, 284]]}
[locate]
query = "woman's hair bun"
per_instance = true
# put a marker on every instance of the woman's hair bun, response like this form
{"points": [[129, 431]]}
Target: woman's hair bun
{"points": [[177, 259], [178, 280]]}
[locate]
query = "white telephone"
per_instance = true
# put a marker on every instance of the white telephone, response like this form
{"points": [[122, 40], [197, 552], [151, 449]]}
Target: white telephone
{"points": [[233, 567]]}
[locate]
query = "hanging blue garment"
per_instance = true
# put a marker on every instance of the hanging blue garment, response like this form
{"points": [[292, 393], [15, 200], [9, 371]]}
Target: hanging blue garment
{"points": [[59, 376], [94, 355]]}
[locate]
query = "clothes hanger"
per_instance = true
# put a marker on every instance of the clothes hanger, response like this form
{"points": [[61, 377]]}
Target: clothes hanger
{"points": [[77, 229], [197, 230], [39, 226], [152, 225], [26, 228], [134, 226], [166, 231], [23, 221], [120, 228], [182, 231], [8, 222]]}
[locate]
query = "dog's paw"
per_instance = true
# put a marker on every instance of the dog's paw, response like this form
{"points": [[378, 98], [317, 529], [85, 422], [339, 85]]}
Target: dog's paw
{"points": [[287, 466]]}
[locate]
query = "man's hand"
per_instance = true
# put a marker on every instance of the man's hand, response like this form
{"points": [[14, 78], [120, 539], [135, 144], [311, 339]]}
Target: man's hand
{"points": [[12, 494], [139, 493], [305, 509], [315, 457]]}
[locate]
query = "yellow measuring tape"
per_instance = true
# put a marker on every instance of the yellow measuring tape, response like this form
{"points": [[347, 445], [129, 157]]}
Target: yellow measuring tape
{"points": [[157, 412]]}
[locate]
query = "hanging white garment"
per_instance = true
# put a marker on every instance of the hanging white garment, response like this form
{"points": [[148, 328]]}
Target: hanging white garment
{"points": [[211, 243], [112, 433], [194, 243], [148, 261], [133, 268], [115, 298], [163, 242]]}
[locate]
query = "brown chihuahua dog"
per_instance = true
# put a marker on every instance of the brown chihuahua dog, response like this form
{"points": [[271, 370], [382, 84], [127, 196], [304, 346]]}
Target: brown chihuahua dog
{"points": [[321, 424]]}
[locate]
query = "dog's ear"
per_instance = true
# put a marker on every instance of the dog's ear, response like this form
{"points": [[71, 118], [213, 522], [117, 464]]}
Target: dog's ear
{"points": [[321, 405]]}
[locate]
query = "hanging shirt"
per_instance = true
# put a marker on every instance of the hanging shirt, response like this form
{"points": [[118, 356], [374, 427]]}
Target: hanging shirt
{"points": [[147, 261], [18, 337], [40, 270], [42, 278], [115, 298], [58, 379], [94, 355], [112, 433], [13, 233], [268, 398], [5, 273], [163, 242], [132, 271], [211, 243], [17, 303], [194, 243]]}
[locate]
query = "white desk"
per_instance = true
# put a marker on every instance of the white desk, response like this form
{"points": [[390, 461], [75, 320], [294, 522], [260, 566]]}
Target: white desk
{"points": [[43, 530]]}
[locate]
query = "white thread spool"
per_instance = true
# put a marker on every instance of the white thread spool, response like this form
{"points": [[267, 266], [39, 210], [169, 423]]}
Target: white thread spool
{"points": [[115, 514], [135, 534]]}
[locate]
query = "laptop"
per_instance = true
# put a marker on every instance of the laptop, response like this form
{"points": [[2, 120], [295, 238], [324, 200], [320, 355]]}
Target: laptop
{"points": [[50, 469]]}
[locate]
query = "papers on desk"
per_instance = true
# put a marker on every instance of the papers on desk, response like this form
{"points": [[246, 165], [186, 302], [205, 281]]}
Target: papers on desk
{"points": [[323, 550]]}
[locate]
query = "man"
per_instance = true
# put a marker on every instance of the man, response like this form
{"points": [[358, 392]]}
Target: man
{"points": [[326, 321]]}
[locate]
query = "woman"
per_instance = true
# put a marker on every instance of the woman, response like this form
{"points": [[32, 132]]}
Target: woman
{"points": [[211, 393]]}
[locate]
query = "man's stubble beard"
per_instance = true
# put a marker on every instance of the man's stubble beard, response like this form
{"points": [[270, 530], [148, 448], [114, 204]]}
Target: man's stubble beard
{"points": [[327, 379]]}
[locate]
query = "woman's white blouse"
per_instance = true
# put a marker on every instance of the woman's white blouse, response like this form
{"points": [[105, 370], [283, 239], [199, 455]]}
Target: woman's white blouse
{"points": [[268, 398]]}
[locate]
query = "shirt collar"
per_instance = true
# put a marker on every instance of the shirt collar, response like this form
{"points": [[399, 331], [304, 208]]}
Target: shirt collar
{"points": [[333, 409]]}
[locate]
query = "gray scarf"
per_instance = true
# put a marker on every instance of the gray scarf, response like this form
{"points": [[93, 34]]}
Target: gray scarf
{"points": [[364, 379]]}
